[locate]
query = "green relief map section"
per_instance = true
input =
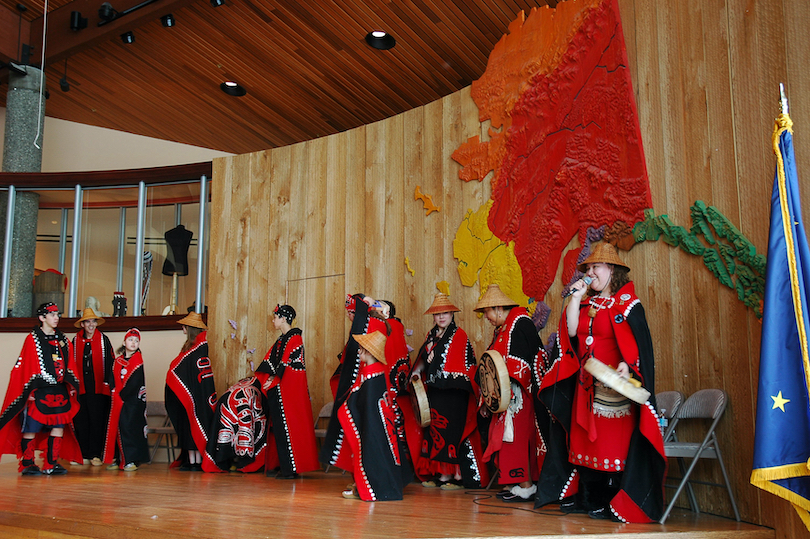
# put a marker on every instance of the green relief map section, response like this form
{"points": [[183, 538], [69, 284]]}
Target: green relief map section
{"points": [[725, 251], [484, 258]]}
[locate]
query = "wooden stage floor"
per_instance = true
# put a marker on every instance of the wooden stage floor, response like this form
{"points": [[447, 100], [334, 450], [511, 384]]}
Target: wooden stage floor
{"points": [[158, 502]]}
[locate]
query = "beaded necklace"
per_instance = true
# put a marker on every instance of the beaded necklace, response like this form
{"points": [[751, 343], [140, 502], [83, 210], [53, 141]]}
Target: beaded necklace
{"points": [[598, 303]]}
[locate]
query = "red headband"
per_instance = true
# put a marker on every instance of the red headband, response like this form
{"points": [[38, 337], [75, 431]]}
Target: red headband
{"points": [[351, 303], [133, 332]]}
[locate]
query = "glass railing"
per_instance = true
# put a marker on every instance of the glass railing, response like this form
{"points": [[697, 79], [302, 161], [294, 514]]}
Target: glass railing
{"points": [[129, 243]]}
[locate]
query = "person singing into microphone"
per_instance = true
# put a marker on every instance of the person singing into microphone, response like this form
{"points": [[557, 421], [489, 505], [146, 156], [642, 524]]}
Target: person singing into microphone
{"points": [[615, 463]]}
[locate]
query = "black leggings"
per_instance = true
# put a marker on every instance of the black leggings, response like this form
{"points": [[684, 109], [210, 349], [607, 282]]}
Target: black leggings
{"points": [[597, 487]]}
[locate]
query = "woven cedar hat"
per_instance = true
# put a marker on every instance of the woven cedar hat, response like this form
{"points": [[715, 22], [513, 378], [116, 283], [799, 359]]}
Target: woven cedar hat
{"points": [[605, 253], [374, 343], [88, 314], [194, 320], [442, 304], [494, 297]]}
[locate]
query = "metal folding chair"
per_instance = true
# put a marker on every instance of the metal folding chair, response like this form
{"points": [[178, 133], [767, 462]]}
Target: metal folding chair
{"points": [[669, 402], [703, 404], [164, 431], [320, 428]]}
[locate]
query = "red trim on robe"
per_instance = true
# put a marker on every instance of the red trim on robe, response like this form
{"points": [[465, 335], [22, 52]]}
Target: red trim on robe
{"points": [[199, 432], [297, 410], [99, 361], [132, 364], [27, 371]]}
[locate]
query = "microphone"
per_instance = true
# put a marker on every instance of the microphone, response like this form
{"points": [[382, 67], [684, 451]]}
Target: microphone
{"points": [[587, 280]]}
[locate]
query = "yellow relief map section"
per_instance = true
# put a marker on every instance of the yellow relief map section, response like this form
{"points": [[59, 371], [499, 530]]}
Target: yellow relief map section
{"points": [[484, 258]]}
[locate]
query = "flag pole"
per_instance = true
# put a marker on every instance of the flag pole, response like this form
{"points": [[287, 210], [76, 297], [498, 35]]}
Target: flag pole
{"points": [[783, 98]]}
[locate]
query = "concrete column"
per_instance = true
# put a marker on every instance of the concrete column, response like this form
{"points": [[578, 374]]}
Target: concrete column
{"points": [[22, 152]]}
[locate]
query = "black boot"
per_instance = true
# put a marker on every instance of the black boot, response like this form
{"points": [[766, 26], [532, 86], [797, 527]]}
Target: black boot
{"points": [[52, 467], [27, 465]]}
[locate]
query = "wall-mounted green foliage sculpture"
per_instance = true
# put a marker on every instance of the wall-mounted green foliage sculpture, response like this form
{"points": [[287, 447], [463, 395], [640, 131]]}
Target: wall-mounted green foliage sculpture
{"points": [[725, 251]]}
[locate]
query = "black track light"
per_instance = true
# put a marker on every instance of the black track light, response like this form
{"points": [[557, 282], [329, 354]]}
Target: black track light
{"points": [[167, 20], [77, 22], [63, 82], [106, 12], [217, 3], [128, 37]]}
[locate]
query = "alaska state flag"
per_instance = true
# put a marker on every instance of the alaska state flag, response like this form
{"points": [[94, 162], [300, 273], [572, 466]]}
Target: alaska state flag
{"points": [[782, 439]]}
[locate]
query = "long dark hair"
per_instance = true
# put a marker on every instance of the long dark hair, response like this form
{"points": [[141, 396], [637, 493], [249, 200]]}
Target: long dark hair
{"points": [[191, 336]]}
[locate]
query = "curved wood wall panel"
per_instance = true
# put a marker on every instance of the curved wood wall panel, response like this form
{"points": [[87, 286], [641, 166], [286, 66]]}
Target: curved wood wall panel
{"points": [[311, 222]]}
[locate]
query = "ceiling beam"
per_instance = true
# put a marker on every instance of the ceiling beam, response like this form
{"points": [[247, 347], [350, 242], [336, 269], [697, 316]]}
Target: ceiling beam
{"points": [[11, 28], [64, 42]]}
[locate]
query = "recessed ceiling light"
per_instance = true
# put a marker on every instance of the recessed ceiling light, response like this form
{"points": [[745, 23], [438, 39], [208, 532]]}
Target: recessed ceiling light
{"points": [[232, 88], [380, 40]]}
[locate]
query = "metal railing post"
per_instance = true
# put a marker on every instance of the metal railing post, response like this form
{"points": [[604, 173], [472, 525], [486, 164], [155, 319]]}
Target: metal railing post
{"points": [[137, 308], [12, 194], [73, 289], [199, 301]]}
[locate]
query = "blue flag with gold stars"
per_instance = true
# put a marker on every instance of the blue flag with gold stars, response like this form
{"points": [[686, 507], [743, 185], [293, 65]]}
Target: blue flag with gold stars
{"points": [[782, 438]]}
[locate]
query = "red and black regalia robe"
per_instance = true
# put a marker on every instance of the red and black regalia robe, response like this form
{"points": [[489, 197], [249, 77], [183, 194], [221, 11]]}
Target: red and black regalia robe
{"points": [[592, 430], [191, 397], [332, 449], [42, 383], [94, 362], [126, 431], [368, 421], [451, 443], [238, 434], [292, 447], [409, 432], [517, 460], [339, 383]]}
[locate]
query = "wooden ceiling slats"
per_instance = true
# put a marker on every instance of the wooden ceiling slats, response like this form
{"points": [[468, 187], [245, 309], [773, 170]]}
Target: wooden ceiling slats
{"points": [[378, 62], [444, 38], [306, 66], [304, 52]]}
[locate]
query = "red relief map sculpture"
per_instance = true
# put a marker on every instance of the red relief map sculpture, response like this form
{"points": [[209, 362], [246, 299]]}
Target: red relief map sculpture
{"points": [[565, 144]]}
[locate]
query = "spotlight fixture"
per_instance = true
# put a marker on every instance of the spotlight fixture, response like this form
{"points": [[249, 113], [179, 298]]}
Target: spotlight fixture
{"points": [[63, 82], [217, 3], [106, 12], [233, 88], [167, 20], [128, 37], [380, 40], [77, 22]]}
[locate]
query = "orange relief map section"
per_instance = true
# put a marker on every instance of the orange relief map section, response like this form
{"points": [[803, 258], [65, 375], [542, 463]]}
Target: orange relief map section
{"points": [[565, 145]]}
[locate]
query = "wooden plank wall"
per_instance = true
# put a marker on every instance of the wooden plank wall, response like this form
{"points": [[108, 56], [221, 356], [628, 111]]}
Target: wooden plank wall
{"points": [[308, 223]]}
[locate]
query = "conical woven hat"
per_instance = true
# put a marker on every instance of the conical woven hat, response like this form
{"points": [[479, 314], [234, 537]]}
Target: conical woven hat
{"points": [[88, 314], [605, 253], [494, 297], [442, 304], [374, 343], [194, 320]]}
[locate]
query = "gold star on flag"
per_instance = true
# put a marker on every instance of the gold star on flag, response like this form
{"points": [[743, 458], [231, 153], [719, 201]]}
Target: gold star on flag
{"points": [[779, 402]]}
